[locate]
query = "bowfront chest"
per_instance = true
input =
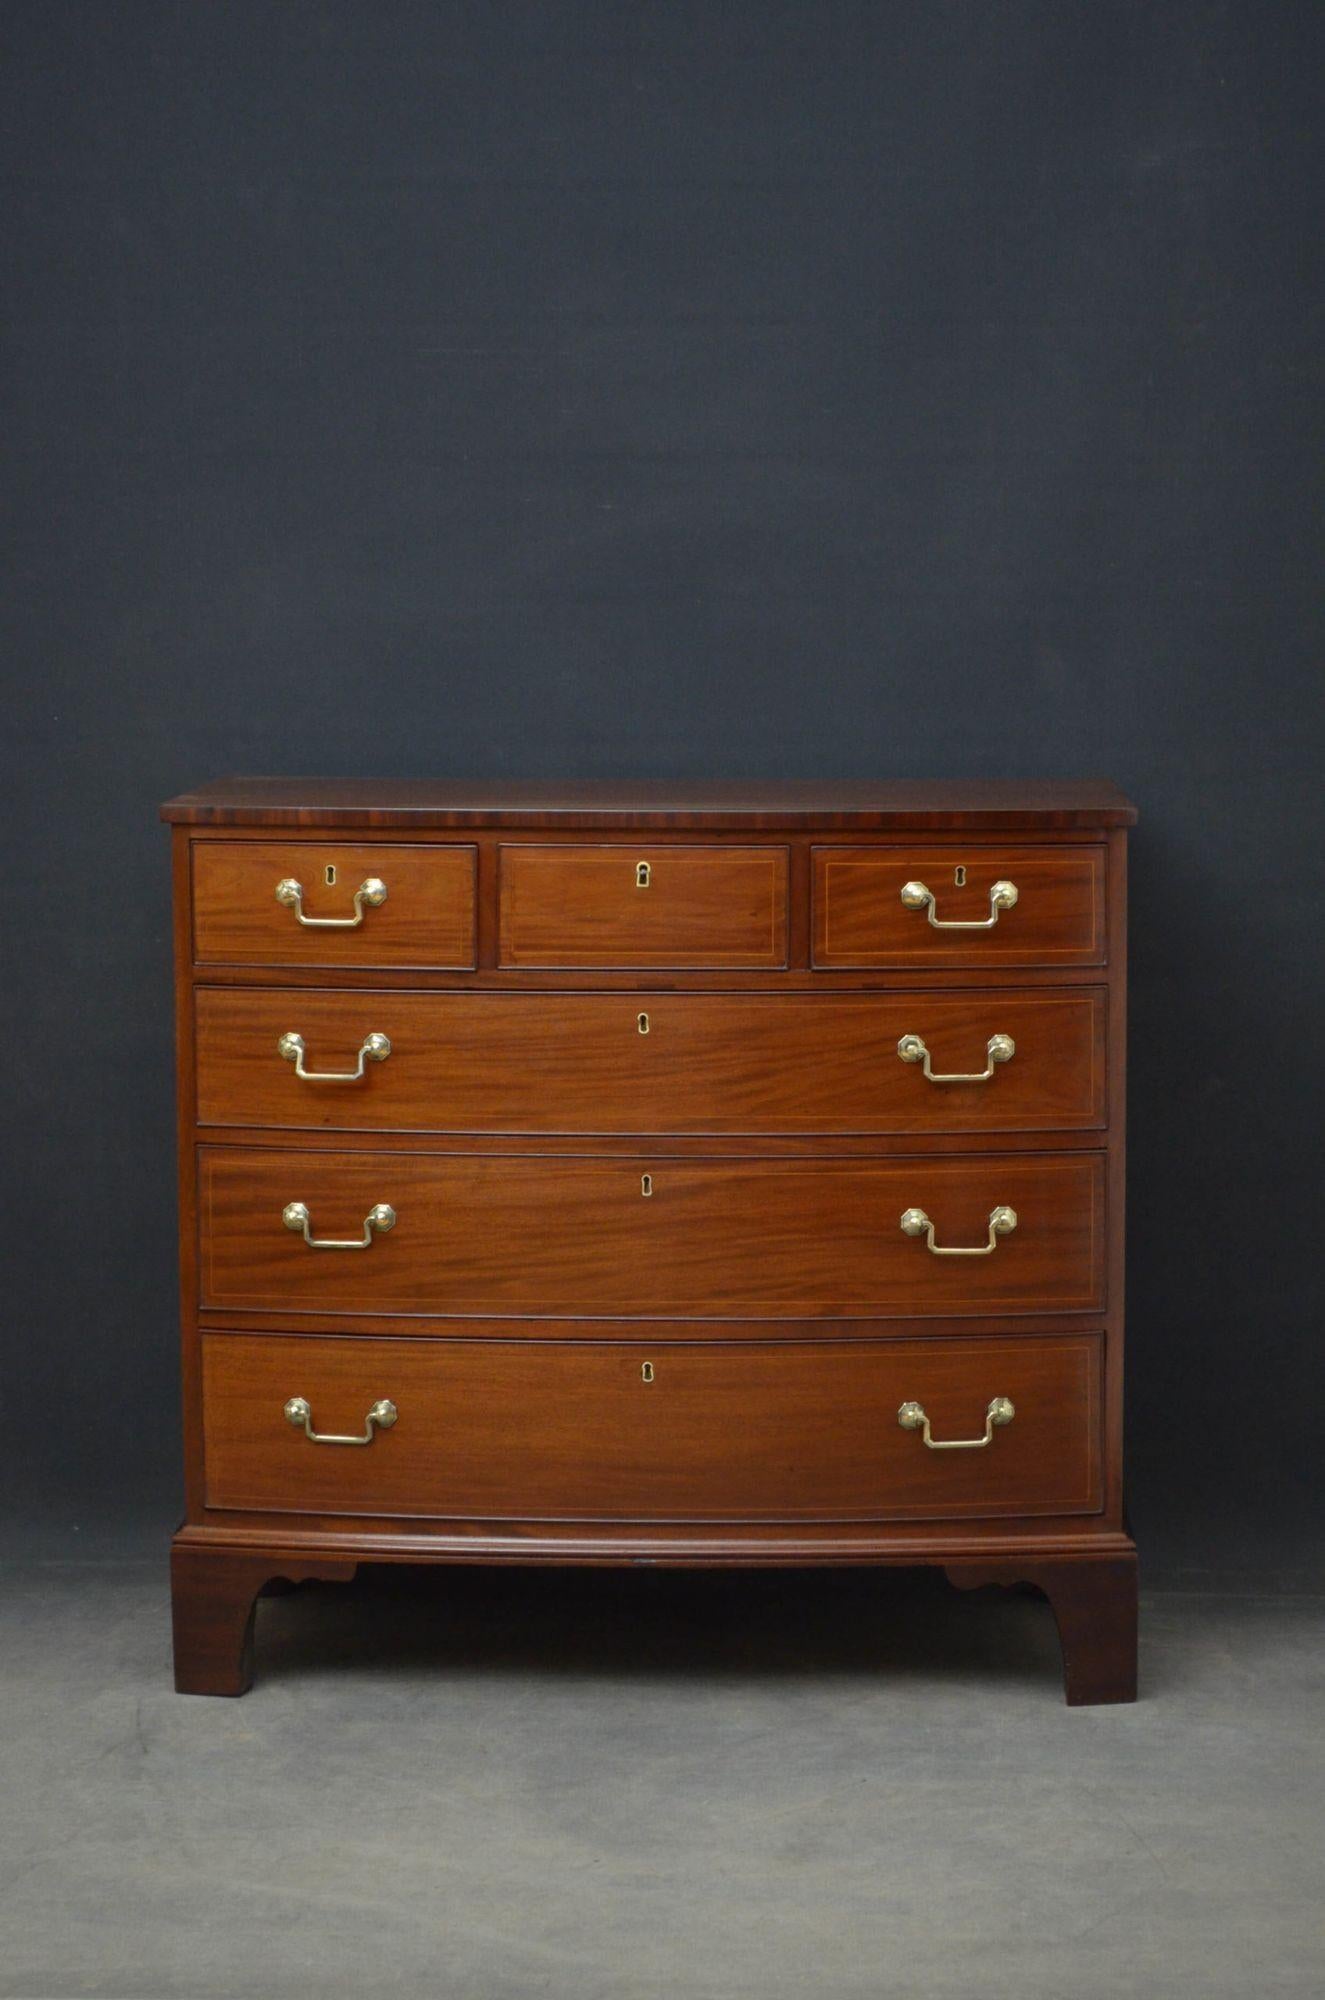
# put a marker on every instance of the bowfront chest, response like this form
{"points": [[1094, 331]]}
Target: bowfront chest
{"points": [[626, 1174]]}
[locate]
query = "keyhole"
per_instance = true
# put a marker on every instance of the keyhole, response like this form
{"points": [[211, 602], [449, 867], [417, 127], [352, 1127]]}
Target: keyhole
{"points": [[959, 876], [646, 1372], [330, 876], [642, 873], [646, 1184], [642, 1023]]}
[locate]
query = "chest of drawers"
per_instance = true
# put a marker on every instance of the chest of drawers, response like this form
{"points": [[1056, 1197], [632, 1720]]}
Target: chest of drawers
{"points": [[643, 1175]]}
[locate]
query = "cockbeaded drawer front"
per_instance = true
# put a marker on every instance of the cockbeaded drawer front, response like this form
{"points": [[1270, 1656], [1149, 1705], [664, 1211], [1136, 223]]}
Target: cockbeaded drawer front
{"points": [[643, 905], [982, 1061], [494, 1430], [958, 906], [303, 903], [324, 1232]]}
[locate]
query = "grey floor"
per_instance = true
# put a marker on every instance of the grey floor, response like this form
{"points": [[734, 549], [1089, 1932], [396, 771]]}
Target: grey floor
{"points": [[653, 1786]]}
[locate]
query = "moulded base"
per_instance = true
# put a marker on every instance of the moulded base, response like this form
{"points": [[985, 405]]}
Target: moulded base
{"points": [[217, 1576]]}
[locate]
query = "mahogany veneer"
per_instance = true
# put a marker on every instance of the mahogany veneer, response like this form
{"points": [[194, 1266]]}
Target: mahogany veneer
{"points": [[732, 1063], [786, 1431], [642, 905], [860, 918], [553, 1237], [650, 1113], [426, 920]]}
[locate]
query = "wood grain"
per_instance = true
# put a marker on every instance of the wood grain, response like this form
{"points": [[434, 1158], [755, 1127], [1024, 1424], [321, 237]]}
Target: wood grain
{"points": [[529, 1277], [497, 1233], [785, 1431], [898, 804], [860, 919], [707, 1063], [213, 1597], [1094, 1603], [582, 906], [428, 918]]}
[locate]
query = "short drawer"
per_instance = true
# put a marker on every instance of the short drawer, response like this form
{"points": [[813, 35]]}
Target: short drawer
{"points": [[649, 1236], [952, 906], [641, 906], [977, 1061], [495, 1430], [302, 903]]}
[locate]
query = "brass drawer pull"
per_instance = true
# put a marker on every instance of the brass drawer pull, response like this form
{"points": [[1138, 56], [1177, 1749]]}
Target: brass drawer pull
{"points": [[299, 1412], [375, 1048], [1001, 897], [291, 894], [999, 1048], [1002, 1222], [912, 1418], [380, 1217]]}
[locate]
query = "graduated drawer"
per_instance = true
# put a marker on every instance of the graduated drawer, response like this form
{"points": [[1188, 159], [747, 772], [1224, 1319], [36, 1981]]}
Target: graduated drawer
{"points": [[699, 1063], [641, 906], [493, 1430], [648, 1236], [869, 908], [425, 918]]}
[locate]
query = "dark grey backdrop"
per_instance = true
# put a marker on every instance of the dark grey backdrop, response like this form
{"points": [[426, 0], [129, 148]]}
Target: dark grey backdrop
{"points": [[781, 389]]}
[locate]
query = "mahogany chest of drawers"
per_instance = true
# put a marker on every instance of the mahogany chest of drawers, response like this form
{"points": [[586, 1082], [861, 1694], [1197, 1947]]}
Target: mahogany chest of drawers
{"points": [[638, 1175]]}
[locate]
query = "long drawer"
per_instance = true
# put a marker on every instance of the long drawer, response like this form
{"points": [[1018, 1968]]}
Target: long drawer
{"points": [[788, 1430], [649, 1236], [652, 1062]]}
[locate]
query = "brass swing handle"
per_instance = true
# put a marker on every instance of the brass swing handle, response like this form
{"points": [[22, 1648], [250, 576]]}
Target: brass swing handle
{"points": [[1002, 1222], [999, 1048], [375, 1048], [912, 1418], [380, 1217], [299, 1412], [291, 894], [1001, 897]]}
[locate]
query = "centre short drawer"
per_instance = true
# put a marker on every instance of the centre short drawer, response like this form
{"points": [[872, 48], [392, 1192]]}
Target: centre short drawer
{"points": [[649, 1236], [977, 1061], [640, 906], [788, 1430], [286, 902]]}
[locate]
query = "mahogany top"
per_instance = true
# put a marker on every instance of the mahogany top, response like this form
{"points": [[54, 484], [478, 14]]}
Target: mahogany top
{"points": [[998, 805]]}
